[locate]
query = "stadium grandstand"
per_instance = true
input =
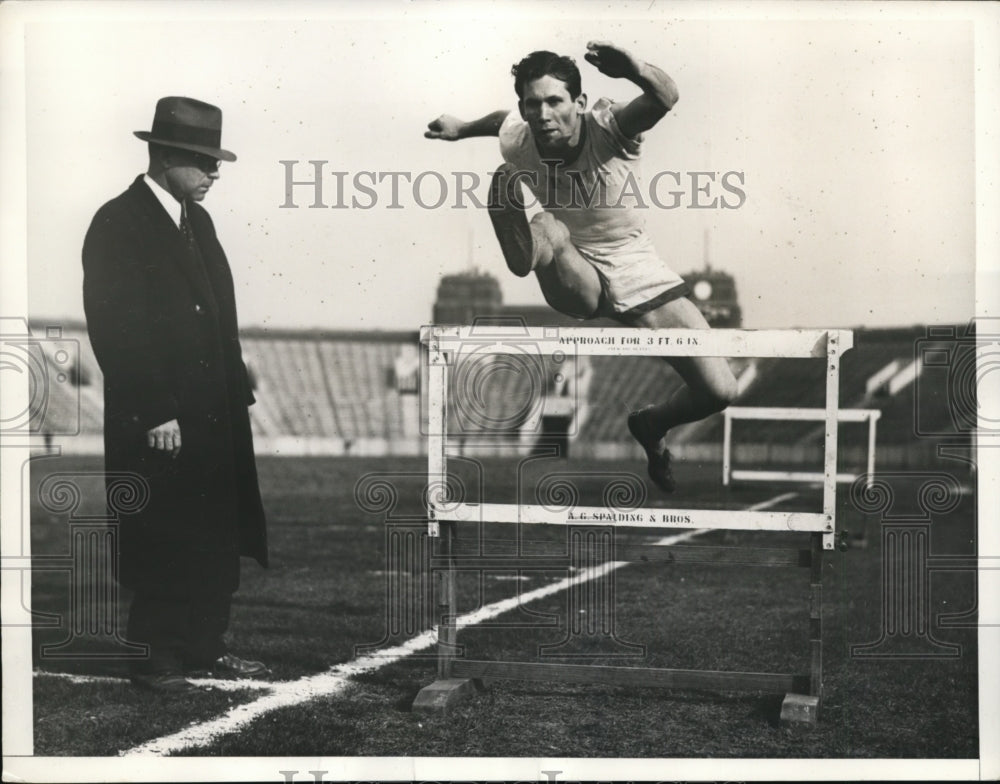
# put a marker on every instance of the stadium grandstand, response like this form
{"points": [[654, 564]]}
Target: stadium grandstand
{"points": [[324, 392]]}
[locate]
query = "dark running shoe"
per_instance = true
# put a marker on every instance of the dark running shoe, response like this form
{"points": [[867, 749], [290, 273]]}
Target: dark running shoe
{"points": [[511, 225], [657, 455]]}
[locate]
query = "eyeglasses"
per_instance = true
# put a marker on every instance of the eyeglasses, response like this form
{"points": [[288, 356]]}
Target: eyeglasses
{"points": [[205, 163]]}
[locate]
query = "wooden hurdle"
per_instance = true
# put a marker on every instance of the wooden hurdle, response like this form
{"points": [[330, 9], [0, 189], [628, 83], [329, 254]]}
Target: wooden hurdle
{"points": [[458, 677], [785, 414]]}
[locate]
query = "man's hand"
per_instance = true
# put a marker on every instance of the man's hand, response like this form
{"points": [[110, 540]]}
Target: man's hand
{"points": [[165, 438], [445, 127], [659, 93], [452, 129], [612, 61]]}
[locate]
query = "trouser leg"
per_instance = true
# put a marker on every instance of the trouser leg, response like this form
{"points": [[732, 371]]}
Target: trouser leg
{"points": [[181, 632], [161, 623], [208, 622]]}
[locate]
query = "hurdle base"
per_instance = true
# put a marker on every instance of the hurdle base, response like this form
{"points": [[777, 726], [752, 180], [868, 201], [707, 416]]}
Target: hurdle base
{"points": [[440, 696], [800, 709]]}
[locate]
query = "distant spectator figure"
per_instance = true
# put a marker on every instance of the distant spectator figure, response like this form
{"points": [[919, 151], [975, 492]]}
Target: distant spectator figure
{"points": [[161, 314]]}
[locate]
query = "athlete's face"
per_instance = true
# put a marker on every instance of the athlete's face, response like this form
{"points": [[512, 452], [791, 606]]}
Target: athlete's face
{"points": [[553, 116]]}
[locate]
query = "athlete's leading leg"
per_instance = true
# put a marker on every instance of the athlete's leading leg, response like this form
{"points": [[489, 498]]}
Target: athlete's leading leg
{"points": [[709, 387], [542, 245]]}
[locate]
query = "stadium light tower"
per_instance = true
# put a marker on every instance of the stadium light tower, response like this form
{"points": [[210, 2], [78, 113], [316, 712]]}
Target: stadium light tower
{"points": [[714, 292]]}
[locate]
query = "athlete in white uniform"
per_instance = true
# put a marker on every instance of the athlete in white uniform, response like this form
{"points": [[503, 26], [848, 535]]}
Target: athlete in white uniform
{"points": [[587, 247], [605, 172]]}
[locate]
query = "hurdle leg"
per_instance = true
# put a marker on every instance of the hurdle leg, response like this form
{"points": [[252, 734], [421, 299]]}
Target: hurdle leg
{"points": [[446, 691], [804, 708]]}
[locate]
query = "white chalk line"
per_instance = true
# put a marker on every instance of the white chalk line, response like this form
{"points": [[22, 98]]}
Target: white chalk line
{"points": [[284, 694], [215, 683]]}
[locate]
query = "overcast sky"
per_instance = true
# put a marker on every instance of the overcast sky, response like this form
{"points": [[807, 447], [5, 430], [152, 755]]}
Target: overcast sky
{"points": [[853, 140]]}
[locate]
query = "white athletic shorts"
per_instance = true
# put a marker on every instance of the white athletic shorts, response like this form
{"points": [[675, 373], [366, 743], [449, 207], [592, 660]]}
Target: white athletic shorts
{"points": [[634, 279]]}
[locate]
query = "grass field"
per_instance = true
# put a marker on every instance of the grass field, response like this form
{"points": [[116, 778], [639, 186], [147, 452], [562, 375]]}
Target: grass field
{"points": [[326, 594]]}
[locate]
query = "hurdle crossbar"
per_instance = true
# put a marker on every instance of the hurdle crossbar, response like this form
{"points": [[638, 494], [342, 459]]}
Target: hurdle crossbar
{"points": [[445, 349], [625, 341], [538, 514]]}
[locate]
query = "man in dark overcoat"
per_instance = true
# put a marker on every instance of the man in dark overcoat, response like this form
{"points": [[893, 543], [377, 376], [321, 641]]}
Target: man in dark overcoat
{"points": [[161, 314]]}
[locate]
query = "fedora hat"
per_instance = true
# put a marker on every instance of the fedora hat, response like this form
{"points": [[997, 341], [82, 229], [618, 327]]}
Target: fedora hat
{"points": [[189, 125]]}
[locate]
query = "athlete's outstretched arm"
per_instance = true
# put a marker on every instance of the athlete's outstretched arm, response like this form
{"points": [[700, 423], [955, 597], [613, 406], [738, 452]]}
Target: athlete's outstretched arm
{"points": [[659, 93], [452, 129]]}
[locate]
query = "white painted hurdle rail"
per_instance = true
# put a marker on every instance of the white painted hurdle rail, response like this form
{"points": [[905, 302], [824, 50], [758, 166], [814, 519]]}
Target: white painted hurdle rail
{"points": [[449, 348], [626, 341], [536, 514]]}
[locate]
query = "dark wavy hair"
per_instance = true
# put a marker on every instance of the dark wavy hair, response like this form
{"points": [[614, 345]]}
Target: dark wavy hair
{"points": [[543, 63]]}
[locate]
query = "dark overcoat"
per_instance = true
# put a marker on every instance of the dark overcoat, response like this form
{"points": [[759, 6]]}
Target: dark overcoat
{"points": [[164, 331]]}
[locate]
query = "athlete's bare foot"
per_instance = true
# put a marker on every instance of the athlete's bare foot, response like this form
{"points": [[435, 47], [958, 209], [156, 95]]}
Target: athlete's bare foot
{"points": [[657, 454]]}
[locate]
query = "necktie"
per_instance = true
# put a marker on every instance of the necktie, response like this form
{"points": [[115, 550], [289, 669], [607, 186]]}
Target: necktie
{"points": [[197, 262], [186, 231]]}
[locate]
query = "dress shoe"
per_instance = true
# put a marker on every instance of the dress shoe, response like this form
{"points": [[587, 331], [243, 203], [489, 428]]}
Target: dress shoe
{"points": [[230, 666], [164, 683]]}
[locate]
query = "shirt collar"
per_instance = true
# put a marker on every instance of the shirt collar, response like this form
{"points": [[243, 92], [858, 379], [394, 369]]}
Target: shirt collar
{"points": [[170, 204]]}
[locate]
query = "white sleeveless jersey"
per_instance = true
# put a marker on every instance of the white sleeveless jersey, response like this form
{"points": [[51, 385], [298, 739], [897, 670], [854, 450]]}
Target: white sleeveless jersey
{"points": [[595, 195]]}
